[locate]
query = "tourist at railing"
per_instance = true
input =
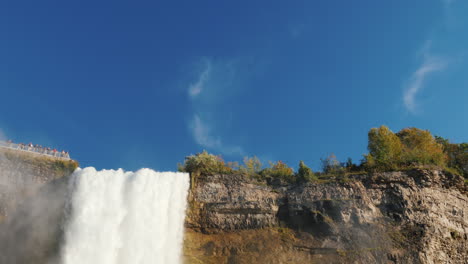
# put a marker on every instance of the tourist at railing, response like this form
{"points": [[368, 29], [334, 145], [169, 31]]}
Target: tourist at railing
{"points": [[35, 148]]}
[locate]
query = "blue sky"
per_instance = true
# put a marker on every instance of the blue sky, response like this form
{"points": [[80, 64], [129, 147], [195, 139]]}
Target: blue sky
{"points": [[130, 84]]}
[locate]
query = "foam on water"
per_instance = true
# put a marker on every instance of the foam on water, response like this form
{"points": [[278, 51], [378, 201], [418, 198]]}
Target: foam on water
{"points": [[118, 217]]}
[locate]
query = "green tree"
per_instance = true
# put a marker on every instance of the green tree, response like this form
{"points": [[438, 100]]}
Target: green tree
{"points": [[457, 155], [304, 173], [462, 159], [204, 164], [385, 149], [451, 150]]}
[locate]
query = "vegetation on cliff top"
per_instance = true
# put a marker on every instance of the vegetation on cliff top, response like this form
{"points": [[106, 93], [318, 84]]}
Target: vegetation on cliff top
{"points": [[410, 148]]}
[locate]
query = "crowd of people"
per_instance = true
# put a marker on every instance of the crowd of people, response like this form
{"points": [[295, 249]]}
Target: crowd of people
{"points": [[36, 148]]}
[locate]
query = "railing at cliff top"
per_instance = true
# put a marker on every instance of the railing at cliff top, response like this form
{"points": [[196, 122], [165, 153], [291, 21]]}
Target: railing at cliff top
{"points": [[35, 150]]}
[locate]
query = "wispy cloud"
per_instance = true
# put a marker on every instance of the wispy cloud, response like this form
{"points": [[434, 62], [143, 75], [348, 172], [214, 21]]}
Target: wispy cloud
{"points": [[197, 87], [202, 133], [213, 85], [430, 65]]}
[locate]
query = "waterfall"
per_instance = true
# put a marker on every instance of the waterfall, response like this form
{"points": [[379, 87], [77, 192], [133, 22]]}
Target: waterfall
{"points": [[118, 217]]}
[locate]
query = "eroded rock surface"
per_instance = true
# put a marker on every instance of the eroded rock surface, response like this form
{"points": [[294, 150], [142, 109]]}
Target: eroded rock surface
{"points": [[32, 201], [22, 174], [416, 216], [397, 217]]}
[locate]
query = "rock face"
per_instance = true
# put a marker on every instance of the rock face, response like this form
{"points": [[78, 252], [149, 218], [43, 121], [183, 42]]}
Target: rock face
{"points": [[396, 217], [415, 216], [228, 202], [22, 174], [32, 199]]}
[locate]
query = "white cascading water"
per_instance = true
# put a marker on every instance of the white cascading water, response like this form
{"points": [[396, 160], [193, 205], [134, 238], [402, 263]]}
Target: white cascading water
{"points": [[118, 217]]}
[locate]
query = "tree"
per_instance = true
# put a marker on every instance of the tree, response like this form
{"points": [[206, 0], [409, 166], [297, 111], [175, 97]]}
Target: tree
{"points": [[462, 159], [305, 174], [385, 149], [204, 164], [252, 166], [451, 150], [279, 170], [457, 155], [421, 148], [350, 166], [331, 166]]}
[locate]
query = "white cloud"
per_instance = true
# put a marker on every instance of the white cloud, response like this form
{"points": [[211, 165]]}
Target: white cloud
{"points": [[214, 84], [202, 133], [196, 88], [431, 64]]}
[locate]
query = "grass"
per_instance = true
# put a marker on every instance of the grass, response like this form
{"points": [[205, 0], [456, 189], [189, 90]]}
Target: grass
{"points": [[265, 245], [286, 234], [453, 171]]}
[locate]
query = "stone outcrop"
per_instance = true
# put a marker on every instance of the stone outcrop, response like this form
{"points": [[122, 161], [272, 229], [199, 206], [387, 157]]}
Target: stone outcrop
{"points": [[32, 201], [228, 202], [417, 216], [22, 174]]}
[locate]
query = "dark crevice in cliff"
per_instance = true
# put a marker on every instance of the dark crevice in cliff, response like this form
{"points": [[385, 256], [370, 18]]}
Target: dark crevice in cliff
{"points": [[283, 212]]}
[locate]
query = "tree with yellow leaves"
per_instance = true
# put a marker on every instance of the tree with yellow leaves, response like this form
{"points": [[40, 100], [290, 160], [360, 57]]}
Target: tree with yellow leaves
{"points": [[385, 149]]}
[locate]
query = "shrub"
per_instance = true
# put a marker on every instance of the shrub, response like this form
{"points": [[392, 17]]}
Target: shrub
{"points": [[278, 170], [457, 155], [305, 174], [204, 164], [252, 166], [331, 166], [233, 165]]}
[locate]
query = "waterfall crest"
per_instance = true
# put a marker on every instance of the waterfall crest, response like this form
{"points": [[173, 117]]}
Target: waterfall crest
{"points": [[118, 217]]}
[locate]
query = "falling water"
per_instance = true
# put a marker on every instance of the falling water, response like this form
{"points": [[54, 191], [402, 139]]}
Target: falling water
{"points": [[118, 217]]}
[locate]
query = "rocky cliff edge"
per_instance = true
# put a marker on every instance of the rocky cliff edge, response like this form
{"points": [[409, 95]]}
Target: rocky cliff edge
{"points": [[416, 216]]}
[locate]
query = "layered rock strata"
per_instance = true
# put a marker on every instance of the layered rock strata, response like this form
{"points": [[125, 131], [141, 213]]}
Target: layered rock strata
{"points": [[417, 216]]}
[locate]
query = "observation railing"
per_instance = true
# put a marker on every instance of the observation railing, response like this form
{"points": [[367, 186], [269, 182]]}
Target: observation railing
{"points": [[35, 149]]}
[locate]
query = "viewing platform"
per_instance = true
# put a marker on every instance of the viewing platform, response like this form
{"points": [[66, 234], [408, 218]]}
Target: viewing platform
{"points": [[35, 149]]}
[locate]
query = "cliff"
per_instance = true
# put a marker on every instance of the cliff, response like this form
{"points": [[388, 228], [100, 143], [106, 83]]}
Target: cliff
{"points": [[22, 174], [416, 216], [32, 199]]}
